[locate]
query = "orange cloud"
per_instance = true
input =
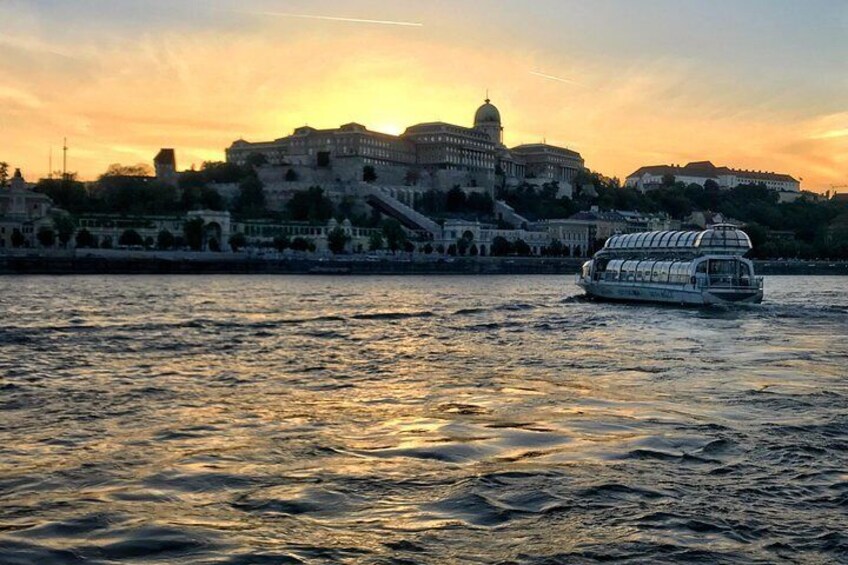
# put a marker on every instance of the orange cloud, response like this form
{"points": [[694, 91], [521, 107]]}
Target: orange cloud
{"points": [[199, 91]]}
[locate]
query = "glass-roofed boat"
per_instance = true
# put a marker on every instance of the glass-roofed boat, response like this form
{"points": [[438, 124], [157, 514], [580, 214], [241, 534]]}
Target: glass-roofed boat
{"points": [[677, 267]]}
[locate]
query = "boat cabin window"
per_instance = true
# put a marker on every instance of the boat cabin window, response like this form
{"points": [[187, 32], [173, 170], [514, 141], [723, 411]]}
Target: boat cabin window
{"points": [[674, 273], [745, 275], [685, 273], [723, 267], [660, 274], [724, 272]]}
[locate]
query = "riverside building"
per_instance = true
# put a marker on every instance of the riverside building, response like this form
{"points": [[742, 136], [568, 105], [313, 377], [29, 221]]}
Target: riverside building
{"points": [[22, 213]]}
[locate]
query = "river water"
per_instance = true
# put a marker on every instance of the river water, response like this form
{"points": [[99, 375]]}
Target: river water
{"points": [[260, 420]]}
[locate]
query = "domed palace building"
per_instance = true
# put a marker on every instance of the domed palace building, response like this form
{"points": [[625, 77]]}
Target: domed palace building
{"points": [[455, 153]]}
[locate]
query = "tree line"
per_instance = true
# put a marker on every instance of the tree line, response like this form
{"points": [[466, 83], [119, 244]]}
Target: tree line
{"points": [[807, 228]]}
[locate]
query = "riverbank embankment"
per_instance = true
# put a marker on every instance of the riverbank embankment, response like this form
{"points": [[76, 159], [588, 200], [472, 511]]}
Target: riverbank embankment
{"points": [[140, 262]]}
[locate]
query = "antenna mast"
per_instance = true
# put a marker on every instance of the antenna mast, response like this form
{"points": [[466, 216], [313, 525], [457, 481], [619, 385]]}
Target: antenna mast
{"points": [[65, 160], [50, 164]]}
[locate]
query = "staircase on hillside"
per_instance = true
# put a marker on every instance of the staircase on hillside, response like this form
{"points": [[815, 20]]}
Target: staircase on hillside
{"points": [[393, 207], [507, 213]]}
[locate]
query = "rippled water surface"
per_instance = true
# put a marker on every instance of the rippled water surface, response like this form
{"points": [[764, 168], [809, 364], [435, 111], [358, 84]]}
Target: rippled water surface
{"points": [[417, 420]]}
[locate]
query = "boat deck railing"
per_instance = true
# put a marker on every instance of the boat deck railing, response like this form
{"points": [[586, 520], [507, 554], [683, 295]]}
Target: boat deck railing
{"points": [[730, 282], [725, 282]]}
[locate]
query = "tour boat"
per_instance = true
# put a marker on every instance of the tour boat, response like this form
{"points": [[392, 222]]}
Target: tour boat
{"points": [[676, 267]]}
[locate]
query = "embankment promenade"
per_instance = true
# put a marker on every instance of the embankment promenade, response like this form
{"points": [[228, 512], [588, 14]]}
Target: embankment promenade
{"points": [[178, 262]]}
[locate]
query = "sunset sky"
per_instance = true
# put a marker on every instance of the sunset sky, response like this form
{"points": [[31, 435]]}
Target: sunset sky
{"points": [[757, 84]]}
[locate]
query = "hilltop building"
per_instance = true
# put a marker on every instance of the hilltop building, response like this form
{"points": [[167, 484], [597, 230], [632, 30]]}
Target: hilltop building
{"points": [[699, 172], [437, 154], [165, 164]]}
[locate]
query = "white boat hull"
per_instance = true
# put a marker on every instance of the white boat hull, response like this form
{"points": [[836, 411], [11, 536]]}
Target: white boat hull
{"points": [[670, 294]]}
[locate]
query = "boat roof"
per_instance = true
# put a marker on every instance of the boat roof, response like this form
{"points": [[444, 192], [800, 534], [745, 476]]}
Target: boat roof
{"points": [[718, 239]]}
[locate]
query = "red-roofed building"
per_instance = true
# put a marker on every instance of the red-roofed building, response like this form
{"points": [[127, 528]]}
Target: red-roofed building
{"points": [[699, 172]]}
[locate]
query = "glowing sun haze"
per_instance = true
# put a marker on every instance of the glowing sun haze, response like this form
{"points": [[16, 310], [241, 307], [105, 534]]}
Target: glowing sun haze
{"points": [[759, 84]]}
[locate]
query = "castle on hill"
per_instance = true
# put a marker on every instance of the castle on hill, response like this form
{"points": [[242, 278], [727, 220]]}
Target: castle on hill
{"points": [[434, 155]]}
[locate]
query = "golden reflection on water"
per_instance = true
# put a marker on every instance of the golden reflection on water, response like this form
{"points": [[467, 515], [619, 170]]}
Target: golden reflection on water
{"points": [[354, 429]]}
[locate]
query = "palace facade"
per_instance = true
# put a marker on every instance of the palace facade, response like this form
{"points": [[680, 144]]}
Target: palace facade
{"points": [[478, 152]]}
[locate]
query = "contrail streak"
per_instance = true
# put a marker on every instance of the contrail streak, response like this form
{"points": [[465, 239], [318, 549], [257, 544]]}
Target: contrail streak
{"points": [[330, 18], [556, 78]]}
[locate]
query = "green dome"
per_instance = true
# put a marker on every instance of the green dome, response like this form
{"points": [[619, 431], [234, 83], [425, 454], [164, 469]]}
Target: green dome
{"points": [[487, 113]]}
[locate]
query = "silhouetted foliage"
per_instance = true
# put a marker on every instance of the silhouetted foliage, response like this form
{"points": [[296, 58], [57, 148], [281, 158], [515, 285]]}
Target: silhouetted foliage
{"points": [[375, 242], [521, 248], [480, 203], [257, 159], [337, 240], [46, 236], [165, 240], [455, 200], [291, 175], [85, 240], [118, 170], [237, 241], [711, 185], [130, 238], [251, 198], [501, 247], [412, 177], [224, 173], [555, 249], [65, 228], [539, 203], [67, 195], [134, 196], [281, 243], [455, 203], [201, 198], [302, 244], [310, 206], [394, 234]]}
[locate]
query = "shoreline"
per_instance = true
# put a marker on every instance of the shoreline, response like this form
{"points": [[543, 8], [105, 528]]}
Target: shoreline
{"points": [[180, 263]]}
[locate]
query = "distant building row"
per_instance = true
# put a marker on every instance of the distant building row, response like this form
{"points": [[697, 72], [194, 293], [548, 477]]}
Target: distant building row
{"points": [[478, 153], [699, 172]]}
